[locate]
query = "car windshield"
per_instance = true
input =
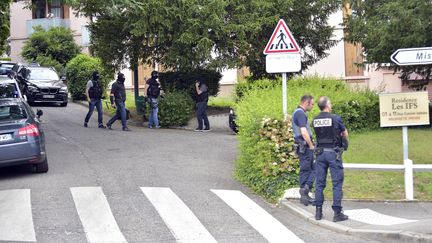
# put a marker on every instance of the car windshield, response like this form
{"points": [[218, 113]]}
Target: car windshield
{"points": [[43, 74], [12, 112], [8, 90]]}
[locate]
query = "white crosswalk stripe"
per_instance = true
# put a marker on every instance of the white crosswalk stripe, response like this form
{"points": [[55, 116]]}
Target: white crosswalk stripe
{"points": [[182, 222], [100, 225], [96, 216], [16, 220], [269, 227]]}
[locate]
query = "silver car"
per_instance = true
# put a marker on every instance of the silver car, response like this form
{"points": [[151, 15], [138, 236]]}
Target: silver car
{"points": [[22, 139]]}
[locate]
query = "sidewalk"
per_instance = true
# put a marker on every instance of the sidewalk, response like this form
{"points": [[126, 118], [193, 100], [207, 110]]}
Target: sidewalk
{"points": [[395, 221], [218, 122]]}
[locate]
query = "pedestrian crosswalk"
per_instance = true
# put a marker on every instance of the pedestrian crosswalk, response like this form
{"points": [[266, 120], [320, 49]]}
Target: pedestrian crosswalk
{"points": [[99, 224]]}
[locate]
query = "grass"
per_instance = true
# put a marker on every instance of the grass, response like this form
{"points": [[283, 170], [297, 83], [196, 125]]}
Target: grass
{"points": [[130, 103], [216, 101], [385, 147]]}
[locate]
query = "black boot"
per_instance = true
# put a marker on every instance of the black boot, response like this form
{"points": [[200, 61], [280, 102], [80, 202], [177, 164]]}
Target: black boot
{"points": [[318, 213], [304, 195], [310, 200], [339, 216]]}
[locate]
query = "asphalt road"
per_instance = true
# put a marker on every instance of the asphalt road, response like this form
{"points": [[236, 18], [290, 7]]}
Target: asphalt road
{"points": [[147, 185]]}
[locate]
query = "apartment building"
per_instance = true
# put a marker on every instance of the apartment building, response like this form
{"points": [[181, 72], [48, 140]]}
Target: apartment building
{"points": [[342, 61], [46, 14]]}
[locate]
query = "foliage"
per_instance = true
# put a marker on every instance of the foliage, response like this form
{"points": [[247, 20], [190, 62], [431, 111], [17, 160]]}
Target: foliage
{"points": [[221, 101], [79, 71], [191, 34], [175, 108], [244, 86], [4, 24], [186, 80], [383, 26], [55, 46], [259, 112]]}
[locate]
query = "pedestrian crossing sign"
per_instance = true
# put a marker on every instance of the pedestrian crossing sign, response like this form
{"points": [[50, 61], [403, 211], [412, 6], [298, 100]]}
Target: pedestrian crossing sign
{"points": [[281, 41]]}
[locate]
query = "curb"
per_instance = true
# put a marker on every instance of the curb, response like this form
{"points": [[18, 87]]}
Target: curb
{"points": [[388, 235]]}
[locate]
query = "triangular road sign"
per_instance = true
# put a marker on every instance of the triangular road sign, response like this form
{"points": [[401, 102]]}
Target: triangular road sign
{"points": [[281, 41]]}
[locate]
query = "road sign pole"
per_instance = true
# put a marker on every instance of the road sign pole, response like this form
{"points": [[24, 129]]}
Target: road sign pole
{"points": [[284, 95], [409, 182]]}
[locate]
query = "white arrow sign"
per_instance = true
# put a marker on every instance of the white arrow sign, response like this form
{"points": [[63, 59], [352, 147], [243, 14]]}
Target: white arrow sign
{"points": [[412, 56]]}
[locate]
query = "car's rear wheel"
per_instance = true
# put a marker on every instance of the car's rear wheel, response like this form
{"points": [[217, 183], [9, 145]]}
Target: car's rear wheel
{"points": [[41, 167], [63, 104]]}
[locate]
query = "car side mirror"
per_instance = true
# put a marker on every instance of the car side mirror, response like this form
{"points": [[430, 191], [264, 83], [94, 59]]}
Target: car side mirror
{"points": [[39, 113], [63, 78]]}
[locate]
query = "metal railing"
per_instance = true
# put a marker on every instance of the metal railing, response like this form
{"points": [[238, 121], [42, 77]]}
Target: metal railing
{"points": [[408, 167]]}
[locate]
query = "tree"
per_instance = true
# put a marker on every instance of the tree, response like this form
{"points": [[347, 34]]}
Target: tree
{"points": [[4, 24], [213, 34], [383, 26], [53, 47]]}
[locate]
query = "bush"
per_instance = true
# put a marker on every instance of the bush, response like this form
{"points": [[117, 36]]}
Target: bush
{"points": [[186, 81], [79, 71], [266, 162], [175, 108], [48, 47]]}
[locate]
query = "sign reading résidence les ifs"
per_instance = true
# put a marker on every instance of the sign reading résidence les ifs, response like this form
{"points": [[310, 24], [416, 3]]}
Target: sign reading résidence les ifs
{"points": [[404, 109]]}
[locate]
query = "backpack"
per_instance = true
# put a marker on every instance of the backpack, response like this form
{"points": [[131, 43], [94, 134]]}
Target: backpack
{"points": [[153, 90], [95, 92]]}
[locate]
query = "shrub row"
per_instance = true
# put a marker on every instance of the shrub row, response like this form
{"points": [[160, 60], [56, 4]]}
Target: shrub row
{"points": [[259, 165]]}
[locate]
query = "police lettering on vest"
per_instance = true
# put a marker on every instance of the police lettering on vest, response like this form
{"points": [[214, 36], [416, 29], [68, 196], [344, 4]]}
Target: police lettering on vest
{"points": [[327, 131]]}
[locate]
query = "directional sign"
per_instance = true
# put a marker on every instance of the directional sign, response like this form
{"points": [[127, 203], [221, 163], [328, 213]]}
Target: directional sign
{"points": [[412, 56], [281, 41]]}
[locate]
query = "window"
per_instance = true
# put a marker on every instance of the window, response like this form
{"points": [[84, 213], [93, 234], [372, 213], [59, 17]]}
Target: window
{"points": [[12, 112], [39, 9], [55, 8]]}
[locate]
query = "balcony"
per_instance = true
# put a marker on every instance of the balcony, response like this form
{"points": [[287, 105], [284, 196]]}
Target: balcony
{"points": [[46, 24]]}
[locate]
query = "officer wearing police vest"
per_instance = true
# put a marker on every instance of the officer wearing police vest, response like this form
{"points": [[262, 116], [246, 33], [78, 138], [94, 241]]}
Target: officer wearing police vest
{"points": [[331, 136], [94, 97], [304, 147]]}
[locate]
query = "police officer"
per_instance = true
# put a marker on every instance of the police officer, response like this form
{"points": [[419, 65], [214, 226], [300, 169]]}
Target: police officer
{"points": [[330, 133], [152, 92], [118, 98], [305, 147], [94, 97]]}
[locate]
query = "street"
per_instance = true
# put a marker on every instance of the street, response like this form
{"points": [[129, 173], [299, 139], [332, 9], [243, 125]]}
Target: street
{"points": [[148, 185]]}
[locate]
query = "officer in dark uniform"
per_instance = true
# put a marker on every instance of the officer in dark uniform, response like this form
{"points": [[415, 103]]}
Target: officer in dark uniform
{"points": [[118, 98], [304, 147], [331, 136], [94, 97]]}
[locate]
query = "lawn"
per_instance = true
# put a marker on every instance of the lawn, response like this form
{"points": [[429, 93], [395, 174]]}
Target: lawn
{"points": [[130, 103], [385, 147]]}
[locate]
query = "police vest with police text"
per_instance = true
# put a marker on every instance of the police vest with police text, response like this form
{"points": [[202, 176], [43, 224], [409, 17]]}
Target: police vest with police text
{"points": [[326, 130]]}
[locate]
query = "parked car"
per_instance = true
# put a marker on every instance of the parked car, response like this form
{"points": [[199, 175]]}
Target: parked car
{"points": [[9, 88], [232, 121], [22, 140], [41, 84]]}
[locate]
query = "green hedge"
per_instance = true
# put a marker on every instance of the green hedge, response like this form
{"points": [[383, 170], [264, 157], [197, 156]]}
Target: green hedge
{"points": [[244, 86], [186, 81], [79, 71], [358, 109], [175, 108]]}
